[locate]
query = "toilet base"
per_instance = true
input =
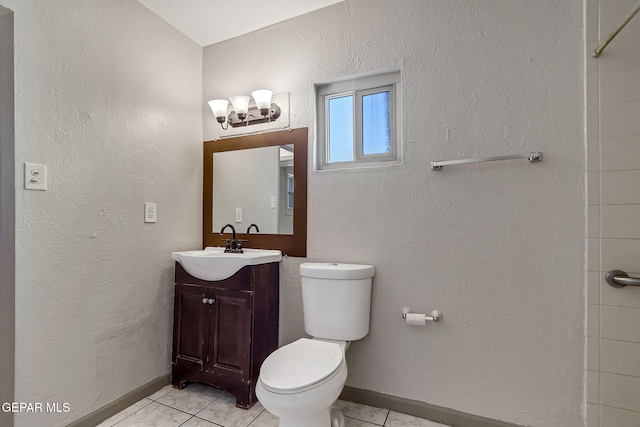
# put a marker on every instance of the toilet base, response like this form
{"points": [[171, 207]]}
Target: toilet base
{"points": [[318, 419], [337, 419]]}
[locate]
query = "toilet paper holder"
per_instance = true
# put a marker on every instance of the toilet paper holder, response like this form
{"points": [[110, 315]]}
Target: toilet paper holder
{"points": [[436, 315]]}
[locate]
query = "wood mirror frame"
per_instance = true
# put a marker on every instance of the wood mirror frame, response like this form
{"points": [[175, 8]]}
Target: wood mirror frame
{"points": [[290, 244]]}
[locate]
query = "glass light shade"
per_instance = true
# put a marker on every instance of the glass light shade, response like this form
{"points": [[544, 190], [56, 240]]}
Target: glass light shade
{"points": [[240, 104], [262, 98], [219, 107]]}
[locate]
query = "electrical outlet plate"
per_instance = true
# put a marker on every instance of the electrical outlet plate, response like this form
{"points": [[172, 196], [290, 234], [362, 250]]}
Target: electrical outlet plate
{"points": [[35, 176], [150, 212]]}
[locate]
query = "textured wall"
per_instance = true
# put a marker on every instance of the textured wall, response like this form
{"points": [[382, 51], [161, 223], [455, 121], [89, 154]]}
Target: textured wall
{"points": [[498, 247], [108, 97]]}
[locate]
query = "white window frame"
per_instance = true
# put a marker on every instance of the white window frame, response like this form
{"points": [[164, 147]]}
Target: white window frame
{"points": [[290, 192], [359, 87]]}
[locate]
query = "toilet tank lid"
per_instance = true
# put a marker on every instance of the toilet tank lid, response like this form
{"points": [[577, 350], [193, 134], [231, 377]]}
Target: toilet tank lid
{"points": [[336, 270]]}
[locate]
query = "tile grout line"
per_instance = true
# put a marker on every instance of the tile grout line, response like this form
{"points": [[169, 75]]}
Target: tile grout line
{"points": [[203, 419], [387, 417], [256, 417], [364, 421]]}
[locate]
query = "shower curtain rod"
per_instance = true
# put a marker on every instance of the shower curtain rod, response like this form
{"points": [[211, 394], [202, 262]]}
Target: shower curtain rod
{"points": [[615, 32]]}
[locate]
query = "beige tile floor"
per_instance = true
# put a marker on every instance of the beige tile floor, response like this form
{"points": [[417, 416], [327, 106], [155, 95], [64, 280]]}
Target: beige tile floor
{"points": [[199, 405]]}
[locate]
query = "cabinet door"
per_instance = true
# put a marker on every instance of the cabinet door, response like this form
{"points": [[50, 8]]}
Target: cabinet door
{"points": [[190, 326], [230, 325]]}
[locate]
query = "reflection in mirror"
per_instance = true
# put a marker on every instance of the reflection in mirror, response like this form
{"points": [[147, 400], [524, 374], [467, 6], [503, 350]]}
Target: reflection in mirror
{"points": [[254, 186], [279, 210]]}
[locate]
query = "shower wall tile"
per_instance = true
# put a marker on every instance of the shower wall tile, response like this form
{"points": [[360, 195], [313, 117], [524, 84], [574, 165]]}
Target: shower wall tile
{"points": [[620, 187], [593, 321], [593, 155], [620, 86], [593, 388], [621, 153], [613, 12], [621, 254], [593, 188], [619, 391], [626, 297], [593, 222], [591, 19], [620, 221], [620, 119], [593, 124], [616, 194], [593, 415], [620, 323], [621, 53], [593, 254], [620, 357], [592, 92], [593, 287], [593, 167], [614, 417], [593, 354], [592, 65]]}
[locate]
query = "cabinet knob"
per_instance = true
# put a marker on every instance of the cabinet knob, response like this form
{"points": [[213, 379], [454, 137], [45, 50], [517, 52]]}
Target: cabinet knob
{"points": [[211, 300], [204, 300]]}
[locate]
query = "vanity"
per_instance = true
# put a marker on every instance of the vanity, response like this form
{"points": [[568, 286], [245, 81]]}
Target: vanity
{"points": [[224, 328], [226, 305]]}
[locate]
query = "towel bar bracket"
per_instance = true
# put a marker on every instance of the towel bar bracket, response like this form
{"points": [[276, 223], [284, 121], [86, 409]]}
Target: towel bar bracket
{"points": [[620, 279]]}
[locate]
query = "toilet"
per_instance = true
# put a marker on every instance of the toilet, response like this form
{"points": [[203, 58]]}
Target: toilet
{"points": [[299, 382]]}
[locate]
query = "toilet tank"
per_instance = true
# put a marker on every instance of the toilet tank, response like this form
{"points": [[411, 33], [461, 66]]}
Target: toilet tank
{"points": [[336, 300]]}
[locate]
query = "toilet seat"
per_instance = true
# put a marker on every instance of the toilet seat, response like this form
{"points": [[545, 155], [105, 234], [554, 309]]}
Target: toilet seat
{"points": [[302, 365]]}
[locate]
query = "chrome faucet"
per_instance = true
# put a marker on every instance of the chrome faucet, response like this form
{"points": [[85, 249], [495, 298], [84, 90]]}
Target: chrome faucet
{"points": [[232, 245], [253, 226]]}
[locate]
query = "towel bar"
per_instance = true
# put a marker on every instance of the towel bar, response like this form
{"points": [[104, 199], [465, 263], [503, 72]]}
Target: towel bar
{"points": [[532, 157]]}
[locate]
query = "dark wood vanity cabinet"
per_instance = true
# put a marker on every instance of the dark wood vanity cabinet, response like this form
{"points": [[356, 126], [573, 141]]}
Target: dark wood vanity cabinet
{"points": [[223, 330]]}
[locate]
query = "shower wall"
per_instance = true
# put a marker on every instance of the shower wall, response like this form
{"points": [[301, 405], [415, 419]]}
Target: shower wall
{"points": [[613, 174]]}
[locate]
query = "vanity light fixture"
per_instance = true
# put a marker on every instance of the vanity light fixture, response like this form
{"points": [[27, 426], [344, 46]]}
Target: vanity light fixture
{"points": [[242, 114]]}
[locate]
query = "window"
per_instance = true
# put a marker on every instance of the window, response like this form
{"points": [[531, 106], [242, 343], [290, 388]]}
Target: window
{"points": [[290, 197], [358, 122]]}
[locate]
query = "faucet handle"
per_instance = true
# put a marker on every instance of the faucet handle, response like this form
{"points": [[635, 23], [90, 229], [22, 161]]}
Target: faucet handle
{"points": [[228, 241], [240, 242]]}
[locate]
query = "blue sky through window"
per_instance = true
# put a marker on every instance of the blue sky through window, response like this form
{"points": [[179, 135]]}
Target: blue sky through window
{"points": [[341, 129], [376, 131]]}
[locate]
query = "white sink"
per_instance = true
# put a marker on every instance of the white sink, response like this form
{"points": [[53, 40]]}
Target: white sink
{"points": [[213, 264]]}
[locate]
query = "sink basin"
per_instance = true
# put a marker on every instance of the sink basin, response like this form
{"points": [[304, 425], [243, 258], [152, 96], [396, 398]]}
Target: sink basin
{"points": [[213, 264]]}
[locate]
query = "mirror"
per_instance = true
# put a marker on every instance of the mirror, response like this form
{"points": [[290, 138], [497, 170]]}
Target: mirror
{"points": [[262, 194], [265, 177]]}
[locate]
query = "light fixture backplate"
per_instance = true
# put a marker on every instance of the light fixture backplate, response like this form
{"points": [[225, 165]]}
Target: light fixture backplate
{"points": [[254, 117]]}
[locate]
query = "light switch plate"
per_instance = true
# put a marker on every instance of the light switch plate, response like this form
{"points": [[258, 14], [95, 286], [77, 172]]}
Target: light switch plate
{"points": [[150, 212], [238, 214], [35, 177]]}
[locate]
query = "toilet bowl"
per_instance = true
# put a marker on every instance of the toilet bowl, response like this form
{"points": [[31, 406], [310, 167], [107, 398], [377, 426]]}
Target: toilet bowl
{"points": [[299, 382]]}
